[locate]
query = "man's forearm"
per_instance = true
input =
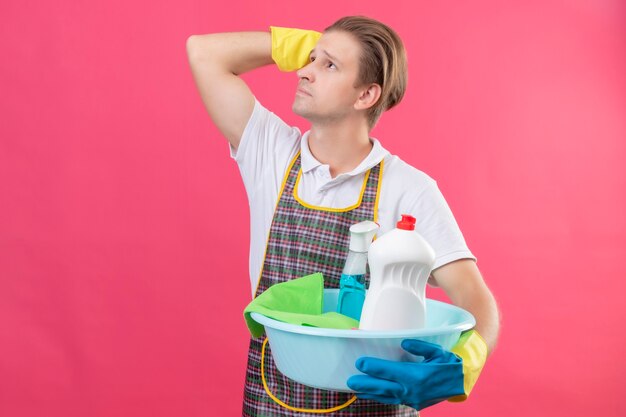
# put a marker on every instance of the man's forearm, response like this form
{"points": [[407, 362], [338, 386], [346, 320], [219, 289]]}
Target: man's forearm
{"points": [[237, 52], [485, 310], [463, 283]]}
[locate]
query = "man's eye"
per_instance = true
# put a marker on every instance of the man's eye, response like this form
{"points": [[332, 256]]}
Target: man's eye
{"points": [[313, 59]]}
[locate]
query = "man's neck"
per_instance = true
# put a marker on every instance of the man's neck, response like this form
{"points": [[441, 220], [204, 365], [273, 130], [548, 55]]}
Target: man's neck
{"points": [[342, 147]]}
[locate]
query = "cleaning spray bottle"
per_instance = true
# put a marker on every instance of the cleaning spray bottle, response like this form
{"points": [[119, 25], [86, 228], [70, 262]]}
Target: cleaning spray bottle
{"points": [[352, 283], [400, 263]]}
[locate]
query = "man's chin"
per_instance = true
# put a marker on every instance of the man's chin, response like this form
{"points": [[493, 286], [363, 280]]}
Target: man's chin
{"points": [[299, 111]]}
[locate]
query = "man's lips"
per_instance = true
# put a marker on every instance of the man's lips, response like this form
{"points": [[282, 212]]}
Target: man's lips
{"points": [[303, 91]]}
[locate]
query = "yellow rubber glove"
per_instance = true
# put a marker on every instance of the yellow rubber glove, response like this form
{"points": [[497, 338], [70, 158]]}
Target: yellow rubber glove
{"points": [[291, 47], [472, 348]]}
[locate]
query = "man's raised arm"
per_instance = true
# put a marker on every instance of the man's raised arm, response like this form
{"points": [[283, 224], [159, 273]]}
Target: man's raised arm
{"points": [[216, 60]]}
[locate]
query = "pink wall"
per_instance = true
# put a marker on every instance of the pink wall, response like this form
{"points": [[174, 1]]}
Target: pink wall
{"points": [[124, 223]]}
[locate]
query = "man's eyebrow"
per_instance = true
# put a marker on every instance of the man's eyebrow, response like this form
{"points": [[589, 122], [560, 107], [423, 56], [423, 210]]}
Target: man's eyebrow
{"points": [[329, 55]]}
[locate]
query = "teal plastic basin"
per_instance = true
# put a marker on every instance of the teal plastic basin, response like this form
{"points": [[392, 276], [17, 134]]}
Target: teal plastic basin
{"points": [[324, 358]]}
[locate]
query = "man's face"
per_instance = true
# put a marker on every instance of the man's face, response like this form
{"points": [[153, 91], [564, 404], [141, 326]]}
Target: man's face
{"points": [[329, 81]]}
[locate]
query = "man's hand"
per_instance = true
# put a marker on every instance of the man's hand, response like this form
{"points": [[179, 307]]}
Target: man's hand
{"points": [[291, 47], [442, 375], [418, 385]]}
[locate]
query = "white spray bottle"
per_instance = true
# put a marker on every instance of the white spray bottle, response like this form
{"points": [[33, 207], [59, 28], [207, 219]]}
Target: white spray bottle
{"points": [[352, 283], [400, 263]]}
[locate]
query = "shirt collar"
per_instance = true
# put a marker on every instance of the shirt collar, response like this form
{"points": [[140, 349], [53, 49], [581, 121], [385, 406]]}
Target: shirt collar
{"points": [[308, 161]]}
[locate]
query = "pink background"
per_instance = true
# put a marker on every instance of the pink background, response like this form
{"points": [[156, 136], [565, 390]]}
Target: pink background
{"points": [[124, 223]]}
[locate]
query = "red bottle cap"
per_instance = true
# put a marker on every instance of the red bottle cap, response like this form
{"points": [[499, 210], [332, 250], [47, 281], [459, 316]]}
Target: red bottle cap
{"points": [[407, 222]]}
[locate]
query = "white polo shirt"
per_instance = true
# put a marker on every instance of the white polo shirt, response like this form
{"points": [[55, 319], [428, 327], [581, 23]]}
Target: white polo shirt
{"points": [[267, 147]]}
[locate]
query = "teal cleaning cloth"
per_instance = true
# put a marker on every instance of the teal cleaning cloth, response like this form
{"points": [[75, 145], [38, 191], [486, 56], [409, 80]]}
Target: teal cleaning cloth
{"points": [[298, 301]]}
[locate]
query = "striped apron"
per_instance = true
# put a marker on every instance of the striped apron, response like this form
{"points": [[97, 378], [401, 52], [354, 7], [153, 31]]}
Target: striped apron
{"points": [[305, 239]]}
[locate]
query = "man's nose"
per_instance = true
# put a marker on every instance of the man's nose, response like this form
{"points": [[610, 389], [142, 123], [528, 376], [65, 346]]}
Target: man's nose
{"points": [[305, 71]]}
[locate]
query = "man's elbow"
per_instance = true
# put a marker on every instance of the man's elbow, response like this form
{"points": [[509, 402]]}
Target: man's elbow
{"points": [[191, 45], [197, 46]]}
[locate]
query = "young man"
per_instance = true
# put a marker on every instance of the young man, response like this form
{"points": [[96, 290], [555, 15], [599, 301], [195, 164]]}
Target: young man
{"points": [[305, 190]]}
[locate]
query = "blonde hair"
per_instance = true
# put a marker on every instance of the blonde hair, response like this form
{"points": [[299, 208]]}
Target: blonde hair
{"points": [[382, 61]]}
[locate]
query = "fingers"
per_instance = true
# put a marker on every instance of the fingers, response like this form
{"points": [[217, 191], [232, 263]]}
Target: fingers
{"points": [[372, 387], [382, 368], [430, 351], [379, 398]]}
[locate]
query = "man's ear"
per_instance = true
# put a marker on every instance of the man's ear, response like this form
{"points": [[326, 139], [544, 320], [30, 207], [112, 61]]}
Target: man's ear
{"points": [[368, 97]]}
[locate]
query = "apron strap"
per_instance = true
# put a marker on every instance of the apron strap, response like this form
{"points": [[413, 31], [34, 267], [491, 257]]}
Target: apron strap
{"points": [[302, 410]]}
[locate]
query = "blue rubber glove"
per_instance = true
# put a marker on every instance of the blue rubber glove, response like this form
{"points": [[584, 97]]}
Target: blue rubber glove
{"points": [[419, 385]]}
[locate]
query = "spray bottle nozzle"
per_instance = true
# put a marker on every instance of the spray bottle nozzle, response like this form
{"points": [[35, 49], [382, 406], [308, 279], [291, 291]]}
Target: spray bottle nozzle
{"points": [[361, 235]]}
